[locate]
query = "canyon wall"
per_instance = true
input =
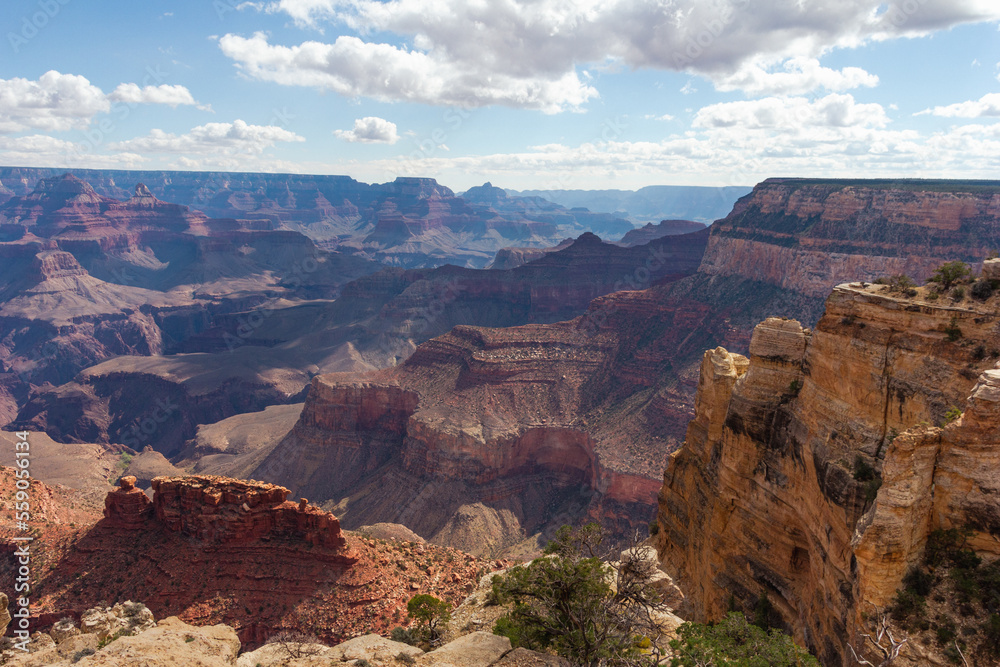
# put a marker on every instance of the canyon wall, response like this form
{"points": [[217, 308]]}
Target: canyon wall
{"points": [[765, 496], [480, 427]]}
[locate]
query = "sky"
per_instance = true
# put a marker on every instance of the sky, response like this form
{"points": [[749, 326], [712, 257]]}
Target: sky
{"points": [[527, 94]]}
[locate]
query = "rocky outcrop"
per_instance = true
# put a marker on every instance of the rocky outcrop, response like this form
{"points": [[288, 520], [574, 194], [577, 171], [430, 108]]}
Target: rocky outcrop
{"points": [[127, 507], [230, 551], [780, 465], [224, 510], [511, 258], [477, 423]]}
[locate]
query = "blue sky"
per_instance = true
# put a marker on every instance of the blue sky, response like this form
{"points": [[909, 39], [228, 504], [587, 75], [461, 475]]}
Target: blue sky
{"points": [[539, 94]]}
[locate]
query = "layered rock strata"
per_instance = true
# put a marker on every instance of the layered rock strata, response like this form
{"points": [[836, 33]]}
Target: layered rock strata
{"points": [[766, 494], [221, 509]]}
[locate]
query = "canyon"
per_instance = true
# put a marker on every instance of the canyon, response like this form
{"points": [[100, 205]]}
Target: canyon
{"points": [[246, 360], [409, 222], [406, 396], [605, 397]]}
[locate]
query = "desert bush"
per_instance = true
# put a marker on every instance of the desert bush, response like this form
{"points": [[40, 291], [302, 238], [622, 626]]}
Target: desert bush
{"points": [[734, 641], [950, 273], [982, 289], [566, 602], [404, 635]]}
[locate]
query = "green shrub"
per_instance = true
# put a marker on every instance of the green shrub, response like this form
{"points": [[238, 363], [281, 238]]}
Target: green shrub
{"points": [[946, 631], [429, 612], [950, 273], [919, 581], [991, 635], [952, 330], [733, 642], [908, 606], [958, 293], [951, 415], [566, 602], [863, 471], [404, 635]]}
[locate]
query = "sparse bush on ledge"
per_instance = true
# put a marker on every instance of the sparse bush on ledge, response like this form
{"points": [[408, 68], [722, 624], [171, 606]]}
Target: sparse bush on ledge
{"points": [[950, 273], [899, 284]]}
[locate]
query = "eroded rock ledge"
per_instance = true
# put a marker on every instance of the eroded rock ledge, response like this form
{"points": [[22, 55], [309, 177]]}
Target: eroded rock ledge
{"points": [[222, 510]]}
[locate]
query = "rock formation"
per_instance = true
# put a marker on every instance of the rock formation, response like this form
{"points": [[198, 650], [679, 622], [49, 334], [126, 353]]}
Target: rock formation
{"points": [[127, 506], [774, 491], [220, 509], [217, 550]]}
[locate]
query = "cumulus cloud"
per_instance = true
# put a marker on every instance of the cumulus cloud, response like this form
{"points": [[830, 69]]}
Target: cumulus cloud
{"points": [[39, 150], [172, 96], [354, 68], [58, 102], [986, 106], [55, 102], [370, 130], [834, 110], [526, 52], [725, 156], [236, 138], [799, 76]]}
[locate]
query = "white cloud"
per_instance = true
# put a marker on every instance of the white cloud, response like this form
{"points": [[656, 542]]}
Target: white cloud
{"points": [[370, 130], [59, 102], [651, 116], [527, 52], [39, 150], [800, 76], [163, 94], [356, 68], [986, 106], [724, 156], [231, 139], [834, 110], [55, 102]]}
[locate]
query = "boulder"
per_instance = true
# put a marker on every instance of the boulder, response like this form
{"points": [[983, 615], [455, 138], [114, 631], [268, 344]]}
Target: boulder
{"points": [[472, 650], [373, 648]]}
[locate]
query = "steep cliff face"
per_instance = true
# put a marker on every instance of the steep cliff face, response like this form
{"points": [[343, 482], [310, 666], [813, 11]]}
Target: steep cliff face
{"points": [[766, 494], [808, 235]]}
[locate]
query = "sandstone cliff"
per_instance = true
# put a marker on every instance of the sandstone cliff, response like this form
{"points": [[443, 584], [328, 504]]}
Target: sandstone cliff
{"points": [[767, 496]]}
